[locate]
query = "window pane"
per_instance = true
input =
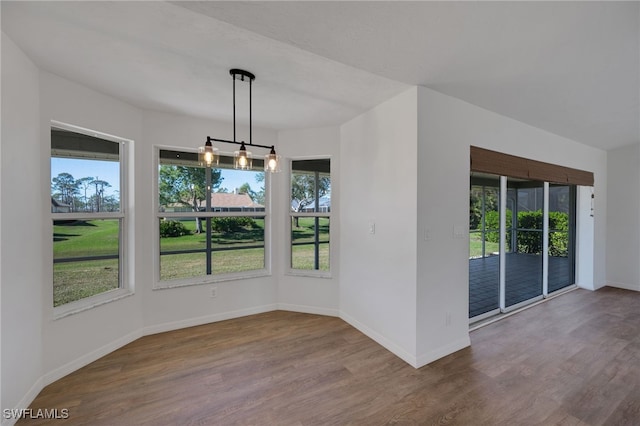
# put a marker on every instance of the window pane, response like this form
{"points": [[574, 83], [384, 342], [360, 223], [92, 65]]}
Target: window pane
{"points": [[237, 245], [484, 247], [85, 173], [310, 243], [311, 186], [182, 249], [523, 280], [85, 258], [561, 237]]}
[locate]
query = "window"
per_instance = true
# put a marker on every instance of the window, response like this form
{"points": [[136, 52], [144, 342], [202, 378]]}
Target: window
{"points": [[209, 230], [88, 217], [310, 215]]}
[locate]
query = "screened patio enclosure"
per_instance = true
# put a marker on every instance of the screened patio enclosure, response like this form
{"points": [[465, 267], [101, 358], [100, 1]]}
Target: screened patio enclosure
{"points": [[521, 242]]}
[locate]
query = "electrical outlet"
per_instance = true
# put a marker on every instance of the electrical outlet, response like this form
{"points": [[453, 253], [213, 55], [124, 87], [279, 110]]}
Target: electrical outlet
{"points": [[214, 292], [372, 228]]}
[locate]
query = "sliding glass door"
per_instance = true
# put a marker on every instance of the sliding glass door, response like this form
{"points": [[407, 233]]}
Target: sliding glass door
{"points": [[536, 221]]}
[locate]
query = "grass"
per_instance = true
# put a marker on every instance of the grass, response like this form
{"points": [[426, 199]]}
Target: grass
{"points": [[303, 257], [85, 238], [79, 279], [84, 278], [188, 265], [475, 246]]}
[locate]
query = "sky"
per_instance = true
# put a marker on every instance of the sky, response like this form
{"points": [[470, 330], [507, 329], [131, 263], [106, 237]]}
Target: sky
{"points": [[108, 171]]}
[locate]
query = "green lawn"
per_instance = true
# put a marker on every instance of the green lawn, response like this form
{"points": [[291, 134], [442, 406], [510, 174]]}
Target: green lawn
{"points": [[85, 238], [475, 246], [303, 255], [244, 252], [78, 280], [84, 278]]}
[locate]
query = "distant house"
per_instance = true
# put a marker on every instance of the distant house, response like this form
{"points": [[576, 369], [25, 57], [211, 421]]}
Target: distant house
{"points": [[232, 202], [58, 207], [324, 205], [222, 202]]}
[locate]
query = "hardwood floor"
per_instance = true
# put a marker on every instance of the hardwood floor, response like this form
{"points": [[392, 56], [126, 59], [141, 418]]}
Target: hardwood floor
{"points": [[574, 360]]}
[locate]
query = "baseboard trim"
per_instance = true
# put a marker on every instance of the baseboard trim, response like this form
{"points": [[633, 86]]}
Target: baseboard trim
{"points": [[381, 340], [306, 309], [26, 400], [441, 352], [207, 319], [86, 359], [625, 286]]}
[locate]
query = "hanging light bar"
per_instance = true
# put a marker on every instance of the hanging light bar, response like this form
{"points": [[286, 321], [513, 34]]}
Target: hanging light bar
{"points": [[242, 157]]}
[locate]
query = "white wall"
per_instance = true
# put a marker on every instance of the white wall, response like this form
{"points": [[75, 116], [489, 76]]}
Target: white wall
{"points": [[75, 340], [167, 309], [623, 217], [378, 186], [447, 127], [295, 292], [22, 229], [442, 257]]}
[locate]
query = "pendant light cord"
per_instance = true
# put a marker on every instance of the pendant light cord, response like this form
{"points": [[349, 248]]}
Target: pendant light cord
{"points": [[234, 108]]}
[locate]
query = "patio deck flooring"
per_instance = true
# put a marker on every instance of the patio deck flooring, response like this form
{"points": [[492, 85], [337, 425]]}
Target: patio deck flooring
{"points": [[523, 280]]}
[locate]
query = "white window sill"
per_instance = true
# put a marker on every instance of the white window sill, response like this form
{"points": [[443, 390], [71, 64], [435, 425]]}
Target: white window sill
{"points": [[309, 273], [90, 302]]}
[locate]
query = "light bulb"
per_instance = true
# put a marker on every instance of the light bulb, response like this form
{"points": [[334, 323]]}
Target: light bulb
{"points": [[242, 160], [273, 163], [208, 157]]}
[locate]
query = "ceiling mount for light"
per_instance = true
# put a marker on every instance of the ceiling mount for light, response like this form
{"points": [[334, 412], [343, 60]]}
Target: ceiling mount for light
{"points": [[243, 160]]}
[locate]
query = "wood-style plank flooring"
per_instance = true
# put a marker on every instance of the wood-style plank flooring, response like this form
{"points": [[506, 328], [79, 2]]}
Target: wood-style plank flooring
{"points": [[574, 360]]}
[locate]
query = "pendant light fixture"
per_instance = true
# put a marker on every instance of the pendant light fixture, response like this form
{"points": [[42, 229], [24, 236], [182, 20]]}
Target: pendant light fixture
{"points": [[243, 159]]}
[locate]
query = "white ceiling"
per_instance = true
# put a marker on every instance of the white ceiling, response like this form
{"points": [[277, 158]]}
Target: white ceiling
{"points": [[571, 68]]}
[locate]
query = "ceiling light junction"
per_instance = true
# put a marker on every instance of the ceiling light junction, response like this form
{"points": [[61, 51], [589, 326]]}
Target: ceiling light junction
{"points": [[208, 154]]}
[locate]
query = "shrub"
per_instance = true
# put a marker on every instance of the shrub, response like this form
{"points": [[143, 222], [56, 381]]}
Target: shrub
{"points": [[530, 242], [227, 225], [172, 228], [559, 235]]}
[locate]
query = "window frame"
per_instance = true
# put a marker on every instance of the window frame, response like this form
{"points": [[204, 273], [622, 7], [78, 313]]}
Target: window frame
{"points": [[158, 283], [313, 273], [125, 287]]}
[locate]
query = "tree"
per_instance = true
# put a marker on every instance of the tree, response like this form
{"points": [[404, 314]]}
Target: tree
{"points": [[186, 186], [245, 188], [100, 186], [85, 183], [65, 188], [303, 190], [259, 195]]}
